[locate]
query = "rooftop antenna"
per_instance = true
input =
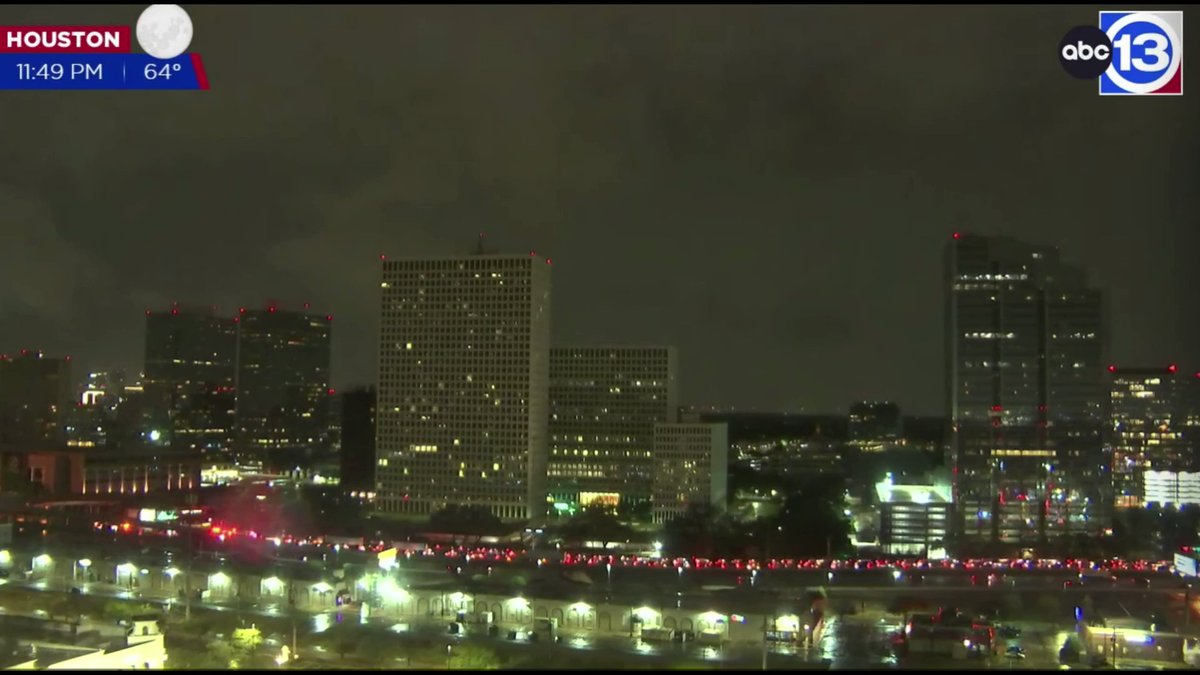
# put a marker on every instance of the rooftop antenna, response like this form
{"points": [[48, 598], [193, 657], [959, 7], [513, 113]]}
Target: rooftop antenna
{"points": [[479, 249]]}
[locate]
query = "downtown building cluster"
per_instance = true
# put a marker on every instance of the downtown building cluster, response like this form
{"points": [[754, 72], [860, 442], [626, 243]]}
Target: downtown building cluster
{"points": [[1046, 438], [251, 389], [477, 407]]}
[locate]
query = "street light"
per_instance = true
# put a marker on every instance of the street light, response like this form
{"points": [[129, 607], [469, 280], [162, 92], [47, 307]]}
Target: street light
{"points": [[84, 563]]}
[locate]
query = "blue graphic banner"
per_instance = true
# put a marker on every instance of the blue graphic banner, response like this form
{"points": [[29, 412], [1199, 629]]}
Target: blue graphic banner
{"points": [[101, 71]]}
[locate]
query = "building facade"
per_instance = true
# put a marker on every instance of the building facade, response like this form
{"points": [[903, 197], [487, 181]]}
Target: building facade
{"points": [[190, 370], [691, 462], [1171, 488], [914, 519], [463, 404], [875, 425], [1145, 431], [35, 394], [283, 386], [358, 439], [1025, 346], [604, 403]]}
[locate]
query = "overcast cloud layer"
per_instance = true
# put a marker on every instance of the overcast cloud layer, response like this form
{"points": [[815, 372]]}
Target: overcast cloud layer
{"points": [[768, 188]]}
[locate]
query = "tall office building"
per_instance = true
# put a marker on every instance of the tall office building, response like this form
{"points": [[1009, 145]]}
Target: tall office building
{"points": [[1025, 392], [358, 439], [283, 386], [462, 409], [875, 425], [191, 356], [1145, 432], [604, 403], [35, 395], [691, 466]]}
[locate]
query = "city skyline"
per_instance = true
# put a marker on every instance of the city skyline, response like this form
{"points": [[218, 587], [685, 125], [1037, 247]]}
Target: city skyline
{"points": [[773, 227]]}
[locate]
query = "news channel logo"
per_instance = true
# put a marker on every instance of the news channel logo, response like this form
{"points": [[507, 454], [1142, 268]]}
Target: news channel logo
{"points": [[1130, 53]]}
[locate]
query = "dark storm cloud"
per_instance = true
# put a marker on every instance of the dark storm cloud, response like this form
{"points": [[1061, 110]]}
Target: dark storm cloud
{"points": [[769, 188]]}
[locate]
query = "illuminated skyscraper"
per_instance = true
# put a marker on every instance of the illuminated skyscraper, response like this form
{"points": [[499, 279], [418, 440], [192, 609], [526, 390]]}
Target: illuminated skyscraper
{"points": [[191, 356], [604, 403], [1025, 392], [1146, 428], [462, 409], [283, 386], [35, 393], [691, 466]]}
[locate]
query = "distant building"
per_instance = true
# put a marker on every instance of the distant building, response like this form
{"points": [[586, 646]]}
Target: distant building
{"points": [[190, 370], [67, 646], [125, 473], [42, 473], [766, 426], [604, 403], [35, 393], [792, 457], [358, 439], [1170, 488], [875, 425], [1145, 430], [1025, 392], [283, 386], [139, 422], [54, 474], [92, 417], [914, 520], [464, 369], [691, 462]]}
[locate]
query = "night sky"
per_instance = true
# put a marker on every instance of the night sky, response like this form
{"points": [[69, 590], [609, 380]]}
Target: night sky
{"points": [[770, 189]]}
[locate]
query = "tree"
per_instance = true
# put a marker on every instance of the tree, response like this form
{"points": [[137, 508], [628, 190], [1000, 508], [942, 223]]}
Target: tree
{"points": [[472, 656], [342, 638], [68, 608], [595, 524], [702, 531], [118, 610], [470, 521], [245, 644], [639, 511], [811, 523]]}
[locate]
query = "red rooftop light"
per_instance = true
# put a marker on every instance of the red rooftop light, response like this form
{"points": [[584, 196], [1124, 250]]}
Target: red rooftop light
{"points": [[329, 317], [271, 308], [174, 311], [332, 391], [532, 254], [382, 256], [241, 310], [1171, 368], [147, 312], [306, 305], [956, 235], [1112, 369], [549, 262]]}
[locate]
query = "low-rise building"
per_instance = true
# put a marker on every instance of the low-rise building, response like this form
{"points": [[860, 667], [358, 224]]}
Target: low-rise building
{"points": [[68, 646], [913, 519], [691, 463]]}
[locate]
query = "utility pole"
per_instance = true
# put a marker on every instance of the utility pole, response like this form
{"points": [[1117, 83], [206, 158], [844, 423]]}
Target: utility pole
{"points": [[764, 645], [187, 572]]}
